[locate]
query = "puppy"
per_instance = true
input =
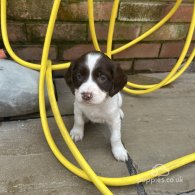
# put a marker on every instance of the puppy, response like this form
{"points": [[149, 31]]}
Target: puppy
{"points": [[96, 80]]}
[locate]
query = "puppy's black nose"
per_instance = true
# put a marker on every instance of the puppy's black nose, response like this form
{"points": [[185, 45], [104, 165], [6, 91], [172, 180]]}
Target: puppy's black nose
{"points": [[87, 96]]}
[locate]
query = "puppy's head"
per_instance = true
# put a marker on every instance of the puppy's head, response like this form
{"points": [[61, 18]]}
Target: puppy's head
{"points": [[93, 77]]}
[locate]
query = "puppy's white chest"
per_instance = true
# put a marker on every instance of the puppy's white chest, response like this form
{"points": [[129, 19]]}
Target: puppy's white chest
{"points": [[95, 115]]}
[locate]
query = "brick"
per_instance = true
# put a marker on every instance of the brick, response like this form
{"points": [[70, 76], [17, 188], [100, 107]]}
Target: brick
{"points": [[140, 50], [153, 11], [25, 9], [33, 52], [189, 1], [174, 49], [72, 52], [123, 31], [183, 14], [139, 11], [154, 65], [62, 32], [126, 65], [16, 32], [78, 11], [167, 32]]}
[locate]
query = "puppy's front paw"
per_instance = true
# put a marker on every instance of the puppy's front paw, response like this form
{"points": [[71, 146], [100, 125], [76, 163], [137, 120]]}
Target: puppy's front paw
{"points": [[120, 153], [76, 134]]}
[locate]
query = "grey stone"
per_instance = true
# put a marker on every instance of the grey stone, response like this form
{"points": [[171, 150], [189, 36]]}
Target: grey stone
{"points": [[65, 100], [18, 89]]}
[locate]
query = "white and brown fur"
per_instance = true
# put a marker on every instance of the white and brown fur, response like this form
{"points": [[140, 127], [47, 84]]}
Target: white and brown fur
{"points": [[96, 80]]}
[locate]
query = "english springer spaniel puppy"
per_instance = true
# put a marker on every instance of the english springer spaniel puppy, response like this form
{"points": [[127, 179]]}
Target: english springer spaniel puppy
{"points": [[96, 80]]}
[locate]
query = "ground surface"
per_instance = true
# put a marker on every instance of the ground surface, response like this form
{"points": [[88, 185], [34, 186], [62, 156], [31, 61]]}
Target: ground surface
{"points": [[157, 128]]}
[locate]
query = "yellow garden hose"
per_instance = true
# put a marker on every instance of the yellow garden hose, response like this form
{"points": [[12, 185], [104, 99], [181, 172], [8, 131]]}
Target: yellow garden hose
{"points": [[172, 75], [92, 25], [112, 21], [44, 61], [46, 72], [8, 46], [147, 33], [121, 181]]}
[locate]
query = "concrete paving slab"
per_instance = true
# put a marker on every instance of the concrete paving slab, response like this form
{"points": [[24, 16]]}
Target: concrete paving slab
{"points": [[29, 167], [158, 128]]}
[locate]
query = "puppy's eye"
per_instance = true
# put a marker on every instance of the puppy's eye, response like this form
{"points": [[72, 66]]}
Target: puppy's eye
{"points": [[102, 77], [79, 76]]}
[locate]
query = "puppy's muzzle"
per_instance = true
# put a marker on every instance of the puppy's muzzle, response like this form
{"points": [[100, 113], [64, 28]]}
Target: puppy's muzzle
{"points": [[87, 96]]}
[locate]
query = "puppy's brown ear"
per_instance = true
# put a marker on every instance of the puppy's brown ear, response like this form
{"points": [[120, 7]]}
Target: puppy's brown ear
{"points": [[119, 79], [68, 77]]}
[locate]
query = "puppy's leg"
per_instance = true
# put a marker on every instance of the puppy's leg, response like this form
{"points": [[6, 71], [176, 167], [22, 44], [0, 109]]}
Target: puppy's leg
{"points": [[120, 101], [121, 114], [77, 131], [118, 150]]}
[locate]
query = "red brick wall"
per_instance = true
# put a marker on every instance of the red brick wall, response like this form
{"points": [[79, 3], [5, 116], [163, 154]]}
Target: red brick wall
{"points": [[27, 22]]}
